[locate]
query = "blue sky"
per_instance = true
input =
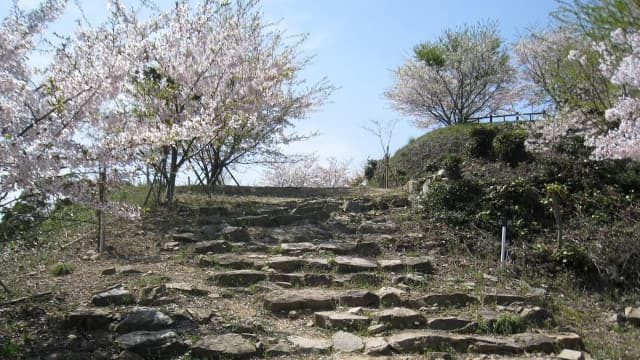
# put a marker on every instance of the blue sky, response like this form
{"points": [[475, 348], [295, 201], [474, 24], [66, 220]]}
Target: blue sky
{"points": [[357, 44]]}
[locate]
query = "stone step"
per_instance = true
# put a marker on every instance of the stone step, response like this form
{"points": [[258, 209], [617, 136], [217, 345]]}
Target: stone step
{"points": [[428, 343]]}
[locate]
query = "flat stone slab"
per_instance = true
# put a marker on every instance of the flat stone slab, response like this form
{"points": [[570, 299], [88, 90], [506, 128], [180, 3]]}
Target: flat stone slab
{"points": [[287, 300], [232, 261], [344, 342], [448, 323], [358, 297], [420, 264], [238, 278], [416, 341], [302, 247], [115, 296], [186, 288], [504, 299], [234, 234], [390, 296], [319, 264], [308, 345], [185, 237], [89, 319], [285, 264], [143, 319], [632, 315], [227, 346], [341, 320], [449, 300], [568, 354], [212, 246], [376, 346], [400, 318], [345, 264], [163, 343]]}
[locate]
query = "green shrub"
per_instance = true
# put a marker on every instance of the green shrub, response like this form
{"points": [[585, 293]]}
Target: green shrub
{"points": [[480, 143], [509, 147], [508, 323], [452, 166], [370, 169], [460, 195], [573, 146], [62, 269]]}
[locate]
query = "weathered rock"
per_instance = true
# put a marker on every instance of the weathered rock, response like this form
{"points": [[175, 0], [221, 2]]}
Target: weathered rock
{"points": [[89, 319], [487, 345], [362, 279], [234, 234], [390, 296], [256, 220], [171, 246], [416, 341], [238, 278], [299, 233], [568, 354], [285, 263], [423, 264], [151, 295], [143, 319], [109, 271], [185, 237], [376, 346], [302, 247], [344, 342], [287, 300], [279, 349], [632, 315], [535, 316], [233, 261], [534, 343], [341, 320], [186, 288], [394, 265], [412, 187], [212, 246], [504, 299], [153, 344], [128, 355], [129, 270], [369, 227], [292, 279], [317, 279], [354, 206], [115, 296], [409, 279], [200, 316], [227, 346], [358, 297], [307, 345], [352, 264], [449, 300], [400, 318], [319, 264], [448, 323], [568, 341]]}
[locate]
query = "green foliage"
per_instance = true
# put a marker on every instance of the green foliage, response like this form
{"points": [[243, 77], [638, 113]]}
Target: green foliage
{"points": [[19, 220], [431, 54], [62, 269], [460, 195], [370, 169], [572, 146], [9, 349], [452, 166], [508, 323], [480, 143], [509, 147]]}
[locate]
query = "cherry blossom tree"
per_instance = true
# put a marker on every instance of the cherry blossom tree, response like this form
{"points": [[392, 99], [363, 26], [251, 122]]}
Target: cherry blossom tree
{"points": [[624, 70], [309, 173], [464, 73]]}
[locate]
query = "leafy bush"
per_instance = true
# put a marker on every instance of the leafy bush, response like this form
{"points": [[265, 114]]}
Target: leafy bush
{"points": [[480, 143], [509, 147], [62, 269], [508, 323], [370, 169], [452, 166], [573, 146], [519, 200], [460, 195]]}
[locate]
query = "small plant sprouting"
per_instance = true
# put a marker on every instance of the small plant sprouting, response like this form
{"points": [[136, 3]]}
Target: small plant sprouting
{"points": [[62, 269]]}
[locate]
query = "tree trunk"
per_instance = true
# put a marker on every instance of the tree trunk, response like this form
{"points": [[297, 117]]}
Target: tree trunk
{"points": [[102, 179], [173, 172]]}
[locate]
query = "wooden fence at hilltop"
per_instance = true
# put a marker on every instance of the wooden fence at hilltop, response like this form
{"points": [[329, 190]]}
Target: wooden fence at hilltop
{"points": [[517, 117]]}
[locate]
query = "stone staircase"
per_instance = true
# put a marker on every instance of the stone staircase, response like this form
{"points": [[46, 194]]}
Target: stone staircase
{"points": [[318, 279]]}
